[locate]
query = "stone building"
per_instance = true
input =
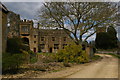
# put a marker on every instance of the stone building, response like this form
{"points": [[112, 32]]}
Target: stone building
{"points": [[3, 11], [13, 24], [34, 40], [29, 34], [43, 40], [51, 40], [26, 27]]}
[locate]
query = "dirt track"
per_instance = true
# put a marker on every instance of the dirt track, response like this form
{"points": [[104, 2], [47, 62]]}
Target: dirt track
{"points": [[105, 68]]}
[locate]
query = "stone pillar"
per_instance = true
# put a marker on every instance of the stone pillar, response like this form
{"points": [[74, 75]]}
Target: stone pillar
{"points": [[87, 49]]}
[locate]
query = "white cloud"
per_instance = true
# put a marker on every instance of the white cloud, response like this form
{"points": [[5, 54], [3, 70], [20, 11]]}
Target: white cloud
{"points": [[26, 10]]}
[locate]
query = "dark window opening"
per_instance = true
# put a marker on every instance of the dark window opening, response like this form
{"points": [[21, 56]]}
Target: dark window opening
{"points": [[64, 45], [34, 36], [42, 38], [34, 41], [42, 46], [64, 39], [50, 50], [34, 49], [53, 38], [56, 46], [83, 47]]}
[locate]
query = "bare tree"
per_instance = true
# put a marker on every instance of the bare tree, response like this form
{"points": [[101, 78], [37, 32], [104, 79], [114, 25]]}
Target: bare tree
{"points": [[77, 18]]}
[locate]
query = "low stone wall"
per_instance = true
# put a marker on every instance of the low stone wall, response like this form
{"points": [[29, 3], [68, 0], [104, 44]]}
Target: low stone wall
{"points": [[89, 51]]}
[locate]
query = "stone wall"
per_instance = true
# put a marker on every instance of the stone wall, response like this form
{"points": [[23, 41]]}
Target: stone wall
{"points": [[13, 24], [4, 13], [34, 40], [51, 40]]}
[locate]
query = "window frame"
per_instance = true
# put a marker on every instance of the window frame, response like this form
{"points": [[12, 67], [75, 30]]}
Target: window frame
{"points": [[42, 46], [53, 38], [56, 46], [42, 39]]}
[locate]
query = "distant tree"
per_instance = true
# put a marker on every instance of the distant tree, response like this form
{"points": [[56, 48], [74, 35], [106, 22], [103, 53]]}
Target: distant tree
{"points": [[107, 40], [113, 37], [77, 18], [102, 40]]}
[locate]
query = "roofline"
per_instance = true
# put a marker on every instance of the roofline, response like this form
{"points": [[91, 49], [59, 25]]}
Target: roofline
{"points": [[3, 8]]}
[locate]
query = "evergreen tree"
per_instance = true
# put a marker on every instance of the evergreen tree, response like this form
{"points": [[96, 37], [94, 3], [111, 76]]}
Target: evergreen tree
{"points": [[113, 38], [107, 40], [102, 40]]}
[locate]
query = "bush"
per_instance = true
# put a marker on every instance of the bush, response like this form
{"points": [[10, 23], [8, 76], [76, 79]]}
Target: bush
{"points": [[33, 59], [82, 58], [24, 47], [26, 56], [11, 63], [72, 53], [33, 56], [15, 44]]}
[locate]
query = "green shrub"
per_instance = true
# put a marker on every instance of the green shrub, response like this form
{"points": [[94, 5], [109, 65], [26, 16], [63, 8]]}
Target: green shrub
{"points": [[33, 59], [24, 47], [72, 53], [12, 62], [31, 52], [15, 44], [26, 56], [82, 58], [32, 56]]}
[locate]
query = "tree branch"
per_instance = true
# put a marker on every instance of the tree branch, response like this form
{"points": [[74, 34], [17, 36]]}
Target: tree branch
{"points": [[89, 35]]}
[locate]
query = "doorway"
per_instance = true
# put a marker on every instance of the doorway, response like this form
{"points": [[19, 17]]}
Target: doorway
{"points": [[35, 50], [50, 50]]}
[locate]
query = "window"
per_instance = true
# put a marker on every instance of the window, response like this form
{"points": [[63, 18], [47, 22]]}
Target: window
{"points": [[53, 38], [64, 45], [25, 28], [42, 46], [34, 49], [42, 38], [34, 36], [34, 41], [64, 39], [56, 46]]}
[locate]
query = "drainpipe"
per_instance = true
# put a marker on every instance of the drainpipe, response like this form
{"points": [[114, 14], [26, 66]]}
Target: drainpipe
{"points": [[38, 36]]}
